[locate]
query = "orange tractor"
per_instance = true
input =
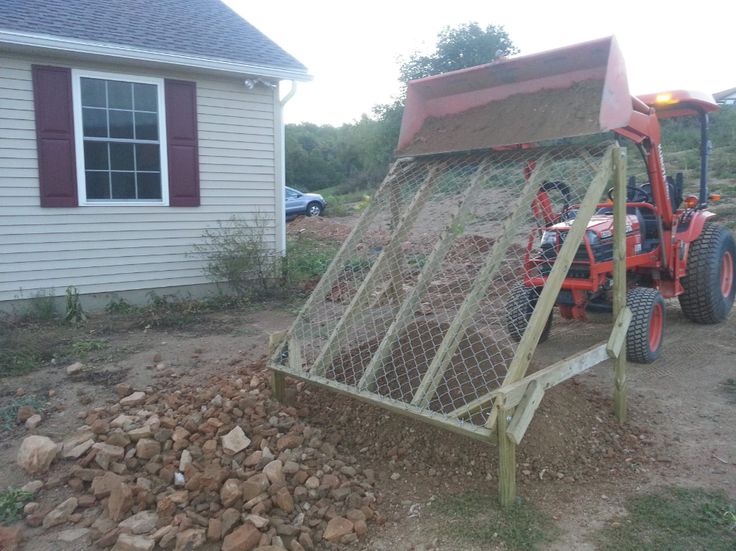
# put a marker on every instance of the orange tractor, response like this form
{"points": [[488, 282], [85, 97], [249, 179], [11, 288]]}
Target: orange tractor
{"points": [[673, 248]]}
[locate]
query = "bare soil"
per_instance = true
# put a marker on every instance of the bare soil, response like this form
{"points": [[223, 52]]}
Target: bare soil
{"points": [[576, 464]]}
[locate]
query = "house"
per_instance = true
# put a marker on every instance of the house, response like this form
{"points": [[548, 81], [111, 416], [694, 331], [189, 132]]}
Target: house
{"points": [[726, 97], [127, 128]]}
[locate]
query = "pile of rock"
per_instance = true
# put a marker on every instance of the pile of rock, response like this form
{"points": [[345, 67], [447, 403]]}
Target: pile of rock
{"points": [[175, 468]]}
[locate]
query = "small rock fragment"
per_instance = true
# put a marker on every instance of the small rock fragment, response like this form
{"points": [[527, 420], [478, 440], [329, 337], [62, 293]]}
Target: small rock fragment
{"points": [[337, 527], [74, 369], [134, 399], [235, 441], [128, 542], [61, 513], [244, 538]]}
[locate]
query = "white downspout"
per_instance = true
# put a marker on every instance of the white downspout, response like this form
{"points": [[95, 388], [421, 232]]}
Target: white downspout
{"points": [[282, 165]]}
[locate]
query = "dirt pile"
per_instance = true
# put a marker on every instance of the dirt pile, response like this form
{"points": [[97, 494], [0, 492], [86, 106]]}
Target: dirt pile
{"points": [[317, 227], [175, 467], [573, 438], [479, 363]]}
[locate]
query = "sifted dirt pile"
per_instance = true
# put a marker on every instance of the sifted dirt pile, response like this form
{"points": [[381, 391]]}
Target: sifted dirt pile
{"points": [[479, 363]]}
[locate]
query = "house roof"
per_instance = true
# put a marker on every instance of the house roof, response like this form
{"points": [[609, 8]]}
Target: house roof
{"points": [[724, 94], [206, 30]]}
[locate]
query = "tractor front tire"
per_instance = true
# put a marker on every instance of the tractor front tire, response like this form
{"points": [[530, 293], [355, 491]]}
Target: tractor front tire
{"points": [[519, 311], [645, 335], [709, 281]]}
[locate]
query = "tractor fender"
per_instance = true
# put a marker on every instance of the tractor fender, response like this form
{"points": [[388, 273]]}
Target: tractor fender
{"points": [[695, 227]]}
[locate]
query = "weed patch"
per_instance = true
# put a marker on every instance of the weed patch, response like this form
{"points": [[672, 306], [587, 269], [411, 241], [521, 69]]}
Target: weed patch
{"points": [[476, 518], [11, 504], [676, 519], [9, 413], [307, 259]]}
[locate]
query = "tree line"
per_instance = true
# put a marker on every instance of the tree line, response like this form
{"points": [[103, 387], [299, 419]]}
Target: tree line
{"points": [[357, 155]]}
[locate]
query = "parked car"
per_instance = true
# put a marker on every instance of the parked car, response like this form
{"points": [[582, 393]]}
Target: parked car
{"points": [[308, 204]]}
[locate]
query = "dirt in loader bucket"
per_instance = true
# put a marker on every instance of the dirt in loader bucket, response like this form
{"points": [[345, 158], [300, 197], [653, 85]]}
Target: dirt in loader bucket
{"points": [[556, 112]]}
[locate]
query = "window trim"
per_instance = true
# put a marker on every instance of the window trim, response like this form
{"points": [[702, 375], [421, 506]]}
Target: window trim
{"points": [[77, 75]]}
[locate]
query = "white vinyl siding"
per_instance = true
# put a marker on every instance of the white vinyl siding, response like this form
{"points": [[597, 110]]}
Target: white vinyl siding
{"points": [[101, 249]]}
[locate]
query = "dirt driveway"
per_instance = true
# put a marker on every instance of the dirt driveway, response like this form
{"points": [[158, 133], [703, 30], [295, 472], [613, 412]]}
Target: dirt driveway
{"points": [[680, 432]]}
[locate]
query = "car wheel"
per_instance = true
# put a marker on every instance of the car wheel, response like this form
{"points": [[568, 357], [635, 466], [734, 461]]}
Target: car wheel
{"points": [[314, 209]]}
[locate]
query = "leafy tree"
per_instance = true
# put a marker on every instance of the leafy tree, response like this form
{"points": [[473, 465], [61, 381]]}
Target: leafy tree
{"points": [[458, 48]]}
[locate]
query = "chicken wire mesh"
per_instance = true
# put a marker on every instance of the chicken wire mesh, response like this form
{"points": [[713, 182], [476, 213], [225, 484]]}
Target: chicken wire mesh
{"points": [[424, 305]]}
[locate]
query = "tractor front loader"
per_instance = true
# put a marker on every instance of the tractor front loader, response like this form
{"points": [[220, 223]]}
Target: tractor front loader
{"points": [[673, 247]]}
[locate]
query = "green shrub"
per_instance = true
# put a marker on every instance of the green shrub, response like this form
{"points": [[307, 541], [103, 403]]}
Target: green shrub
{"points": [[12, 502], [237, 253], [74, 312], [41, 306]]}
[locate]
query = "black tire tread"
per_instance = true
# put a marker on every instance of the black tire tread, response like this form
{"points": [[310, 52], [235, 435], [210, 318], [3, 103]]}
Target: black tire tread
{"points": [[519, 310], [640, 301], [702, 300]]}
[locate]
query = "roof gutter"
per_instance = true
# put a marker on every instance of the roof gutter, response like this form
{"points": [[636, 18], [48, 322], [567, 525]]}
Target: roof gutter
{"points": [[47, 42]]}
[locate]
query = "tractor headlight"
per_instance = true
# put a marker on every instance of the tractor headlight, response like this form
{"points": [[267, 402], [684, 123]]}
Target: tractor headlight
{"points": [[592, 238], [549, 240]]}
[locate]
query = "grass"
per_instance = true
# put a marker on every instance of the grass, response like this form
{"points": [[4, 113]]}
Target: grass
{"points": [[12, 502], [307, 259], [9, 413], [675, 519], [475, 518], [83, 347]]}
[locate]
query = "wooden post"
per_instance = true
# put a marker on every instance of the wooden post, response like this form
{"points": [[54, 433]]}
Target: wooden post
{"points": [[278, 380], [506, 459], [619, 277]]}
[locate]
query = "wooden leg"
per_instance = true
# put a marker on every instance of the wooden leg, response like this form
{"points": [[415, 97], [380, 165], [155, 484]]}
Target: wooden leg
{"points": [[506, 462], [278, 386]]}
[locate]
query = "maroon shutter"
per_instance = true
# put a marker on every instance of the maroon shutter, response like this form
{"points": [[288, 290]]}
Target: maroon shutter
{"points": [[181, 137], [57, 172]]}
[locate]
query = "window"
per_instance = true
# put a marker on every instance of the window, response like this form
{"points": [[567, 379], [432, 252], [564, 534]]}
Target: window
{"points": [[120, 139]]}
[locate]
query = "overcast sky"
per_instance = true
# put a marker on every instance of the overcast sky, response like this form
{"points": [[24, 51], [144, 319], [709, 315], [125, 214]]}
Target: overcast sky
{"points": [[352, 49]]}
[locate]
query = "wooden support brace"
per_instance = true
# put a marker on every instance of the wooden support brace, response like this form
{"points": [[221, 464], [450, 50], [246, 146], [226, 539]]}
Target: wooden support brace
{"points": [[427, 416], [620, 286], [506, 460], [434, 262], [295, 355], [452, 339], [362, 295], [547, 378], [525, 411], [548, 297], [618, 334]]}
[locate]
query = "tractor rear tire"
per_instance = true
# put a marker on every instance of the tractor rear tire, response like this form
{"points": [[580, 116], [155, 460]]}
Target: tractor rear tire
{"points": [[709, 282], [645, 335], [519, 311]]}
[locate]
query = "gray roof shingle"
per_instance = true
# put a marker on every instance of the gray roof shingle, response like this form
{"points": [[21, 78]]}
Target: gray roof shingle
{"points": [[201, 28]]}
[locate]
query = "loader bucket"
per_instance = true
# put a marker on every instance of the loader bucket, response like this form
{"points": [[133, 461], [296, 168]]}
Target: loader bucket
{"points": [[571, 91]]}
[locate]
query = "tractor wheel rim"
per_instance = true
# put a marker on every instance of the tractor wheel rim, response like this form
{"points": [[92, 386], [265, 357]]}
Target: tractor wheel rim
{"points": [[726, 274], [655, 327]]}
